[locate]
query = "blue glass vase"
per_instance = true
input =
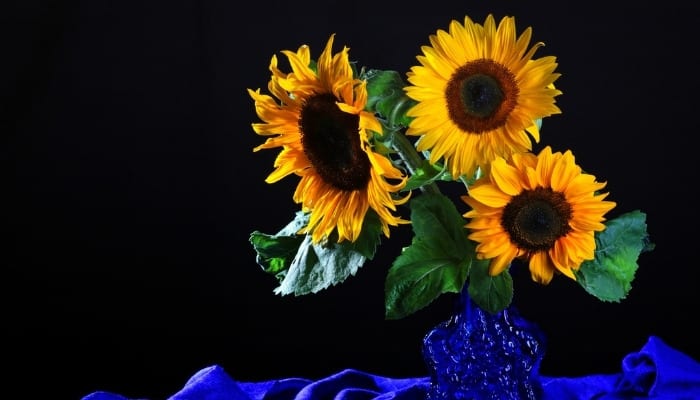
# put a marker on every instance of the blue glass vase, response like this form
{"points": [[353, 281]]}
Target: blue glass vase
{"points": [[477, 355]]}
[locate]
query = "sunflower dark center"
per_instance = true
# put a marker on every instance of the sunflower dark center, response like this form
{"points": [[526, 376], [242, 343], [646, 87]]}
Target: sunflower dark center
{"points": [[481, 95], [331, 142], [535, 219]]}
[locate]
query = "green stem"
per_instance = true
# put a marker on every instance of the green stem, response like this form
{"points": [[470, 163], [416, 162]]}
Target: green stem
{"points": [[413, 160]]}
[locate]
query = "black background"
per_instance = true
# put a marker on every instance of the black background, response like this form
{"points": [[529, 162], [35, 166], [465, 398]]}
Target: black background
{"points": [[133, 188]]}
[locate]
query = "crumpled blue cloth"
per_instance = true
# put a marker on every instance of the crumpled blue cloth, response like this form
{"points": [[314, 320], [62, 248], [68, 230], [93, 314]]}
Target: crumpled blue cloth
{"points": [[656, 372]]}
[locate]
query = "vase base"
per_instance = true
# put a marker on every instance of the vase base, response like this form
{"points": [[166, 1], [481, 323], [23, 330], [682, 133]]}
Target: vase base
{"points": [[478, 355]]}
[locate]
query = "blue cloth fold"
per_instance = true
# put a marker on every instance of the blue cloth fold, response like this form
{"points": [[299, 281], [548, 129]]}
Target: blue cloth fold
{"points": [[657, 372]]}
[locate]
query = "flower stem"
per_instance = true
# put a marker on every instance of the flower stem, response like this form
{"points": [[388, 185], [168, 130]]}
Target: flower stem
{"points": [[413, 160]]}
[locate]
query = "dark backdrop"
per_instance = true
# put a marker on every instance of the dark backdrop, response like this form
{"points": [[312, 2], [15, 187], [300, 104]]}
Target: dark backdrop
{"points": [[133, 188]]}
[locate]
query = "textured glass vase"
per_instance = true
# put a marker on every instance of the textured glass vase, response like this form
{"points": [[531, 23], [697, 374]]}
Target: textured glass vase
{"points": [[476, 355]]}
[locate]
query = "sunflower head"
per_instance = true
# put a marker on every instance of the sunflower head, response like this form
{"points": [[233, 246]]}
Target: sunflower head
{"points": [[540, 208], [480, 94], [317, 120]]}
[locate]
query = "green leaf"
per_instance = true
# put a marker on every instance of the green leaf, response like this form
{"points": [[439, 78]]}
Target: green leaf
{"points": [[386, 96], [304, 267], [276, 252], [609, 276], [419, 276], [437, 261], [319, 266], [436, 220], [491, 293]]}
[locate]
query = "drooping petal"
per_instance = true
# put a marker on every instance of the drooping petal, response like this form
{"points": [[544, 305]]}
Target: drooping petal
{"points": [[541, 269], [502, 261]]}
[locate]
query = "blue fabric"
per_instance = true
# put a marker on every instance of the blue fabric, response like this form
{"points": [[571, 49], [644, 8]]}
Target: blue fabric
{"points": [[656, 372]]}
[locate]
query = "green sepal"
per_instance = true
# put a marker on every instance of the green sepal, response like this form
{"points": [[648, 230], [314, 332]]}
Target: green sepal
{"points": [[490, 293], [609, 275], [304, 267], [437, 261], [386, 96]]}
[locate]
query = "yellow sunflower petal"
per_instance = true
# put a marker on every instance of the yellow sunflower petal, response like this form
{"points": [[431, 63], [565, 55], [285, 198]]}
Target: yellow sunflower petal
{"points": [[483, 223], [545, 164], [559, 257], [489, 195], [506, 177], [541, 268], [491, 245], [502, 261], [595, 206], [564, 171], [534, 131]]}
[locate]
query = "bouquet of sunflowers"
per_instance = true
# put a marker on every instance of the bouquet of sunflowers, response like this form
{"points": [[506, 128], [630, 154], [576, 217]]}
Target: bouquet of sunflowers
{"points": [[373, 152]]}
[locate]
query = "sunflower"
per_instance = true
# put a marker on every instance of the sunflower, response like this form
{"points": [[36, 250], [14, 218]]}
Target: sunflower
{"points": [[318, 121], [479, 94], [539, 208]]}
